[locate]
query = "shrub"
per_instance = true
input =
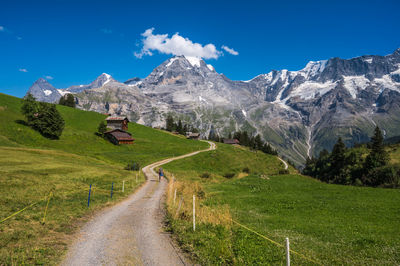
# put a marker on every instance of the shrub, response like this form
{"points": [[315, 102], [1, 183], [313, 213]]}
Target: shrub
{"points": [[387, 176], [246, 170], [134, 166], [283, 171], [205, 175], [229, 175]]}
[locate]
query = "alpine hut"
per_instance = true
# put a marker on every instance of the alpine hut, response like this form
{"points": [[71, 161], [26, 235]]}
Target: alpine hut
{"points": [[115, 122], [118, 136]]}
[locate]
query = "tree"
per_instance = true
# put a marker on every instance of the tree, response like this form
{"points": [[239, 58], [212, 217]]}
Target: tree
{"points": [[258, 142], [338, 160], [378, 157], [170, 125], [29, 108], [179, 127], [70, 101], [49, 121], [102, 129]]}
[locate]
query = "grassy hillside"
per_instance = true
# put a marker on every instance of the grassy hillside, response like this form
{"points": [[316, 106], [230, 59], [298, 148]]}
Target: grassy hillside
{"points": [[330, 224], [32, 166], [78, 136]]}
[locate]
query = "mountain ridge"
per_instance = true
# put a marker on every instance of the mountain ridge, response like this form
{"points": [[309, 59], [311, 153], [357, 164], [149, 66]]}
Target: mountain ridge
{"points": [[298, 112]]}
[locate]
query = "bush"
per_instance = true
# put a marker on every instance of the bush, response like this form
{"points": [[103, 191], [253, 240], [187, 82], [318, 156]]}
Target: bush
{"points": [[205, 175], [134, 166], [246, 170], [229, 175], [387, 176], [283, 171]]}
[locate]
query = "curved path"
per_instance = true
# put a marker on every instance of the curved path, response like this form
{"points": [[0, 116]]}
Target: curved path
{"points": [[285, 163], [130, 232]]}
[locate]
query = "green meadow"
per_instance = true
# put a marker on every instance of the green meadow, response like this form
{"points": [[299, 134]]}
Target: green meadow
{"points": [[32, 167], [327, 224]]}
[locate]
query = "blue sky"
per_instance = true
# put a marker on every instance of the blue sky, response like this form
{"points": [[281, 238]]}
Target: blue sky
{"points": [[72, 42]]}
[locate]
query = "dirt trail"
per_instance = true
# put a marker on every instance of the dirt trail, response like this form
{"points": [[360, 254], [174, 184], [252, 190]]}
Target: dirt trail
{"points": [[130, 232]]}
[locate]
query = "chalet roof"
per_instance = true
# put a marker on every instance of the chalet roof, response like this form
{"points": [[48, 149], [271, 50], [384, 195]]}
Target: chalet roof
{"points": [[194, 135], [231, 141], [120, 134], [116, 118]]}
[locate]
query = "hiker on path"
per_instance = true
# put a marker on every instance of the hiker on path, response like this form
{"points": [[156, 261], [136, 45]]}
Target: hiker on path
{"points": [[160, 174]]}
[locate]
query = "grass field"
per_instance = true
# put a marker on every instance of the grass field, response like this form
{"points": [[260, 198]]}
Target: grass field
{"points": [[32, 166], [330, 224]]}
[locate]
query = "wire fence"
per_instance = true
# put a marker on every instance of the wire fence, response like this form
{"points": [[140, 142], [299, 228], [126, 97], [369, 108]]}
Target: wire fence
{"points": [[93, 190]]}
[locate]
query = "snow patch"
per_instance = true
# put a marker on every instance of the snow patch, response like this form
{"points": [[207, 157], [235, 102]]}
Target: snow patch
{"points": [[210, 67], [312, 68], [47, 92], [171, 61], [108, 78], [387, 83], [355, 83], [368, 60], [310, 89], [194, 61], [62, 92], [244, 113]]}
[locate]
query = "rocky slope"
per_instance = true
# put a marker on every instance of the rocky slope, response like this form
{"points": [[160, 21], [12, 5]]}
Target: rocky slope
{"points": [[298, 112]]}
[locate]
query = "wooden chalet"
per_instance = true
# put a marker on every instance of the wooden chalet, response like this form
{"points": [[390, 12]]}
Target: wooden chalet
{"points": [[195, 136], [231, 141], [119, 136], [115, 122]]}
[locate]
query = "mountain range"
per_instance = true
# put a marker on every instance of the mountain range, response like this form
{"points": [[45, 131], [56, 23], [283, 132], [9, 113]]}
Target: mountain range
{"points": [[300, 112]]}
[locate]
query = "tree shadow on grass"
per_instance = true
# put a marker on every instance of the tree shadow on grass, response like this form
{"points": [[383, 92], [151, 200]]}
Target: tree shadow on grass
{"points": [[21, 122]]}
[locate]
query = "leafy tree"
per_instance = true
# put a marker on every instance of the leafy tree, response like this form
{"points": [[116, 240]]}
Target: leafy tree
{"points": [[102, 129], [29, 108], [43, 117], [70, 101], [49, 121]]}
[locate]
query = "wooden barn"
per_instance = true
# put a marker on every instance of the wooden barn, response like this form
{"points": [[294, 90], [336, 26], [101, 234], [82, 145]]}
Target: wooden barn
{"points": [[118, 136], [191, 135], [231, 141], [117, 122]]}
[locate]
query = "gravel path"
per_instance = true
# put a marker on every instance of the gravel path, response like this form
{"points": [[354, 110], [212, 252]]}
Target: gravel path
{"points": [[285, 163], [130, 232]]}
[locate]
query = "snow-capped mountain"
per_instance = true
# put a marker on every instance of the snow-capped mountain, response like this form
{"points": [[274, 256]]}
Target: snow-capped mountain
{"points": [[298, 112], [43, 91]]}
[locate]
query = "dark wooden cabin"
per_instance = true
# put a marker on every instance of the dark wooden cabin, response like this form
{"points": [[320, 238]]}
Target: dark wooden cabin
{"points": [[117, 122], [195, 136], [231, 141], [118, 136]]}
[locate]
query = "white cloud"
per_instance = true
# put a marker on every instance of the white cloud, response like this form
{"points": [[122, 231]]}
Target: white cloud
{"points": [[1, 28], [49, 77], [229, 50], [106, 31], [176, 45], [23, 70]]}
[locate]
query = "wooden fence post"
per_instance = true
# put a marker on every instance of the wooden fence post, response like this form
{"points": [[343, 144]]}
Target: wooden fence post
{"points": [[194, 213], [287, 252]]}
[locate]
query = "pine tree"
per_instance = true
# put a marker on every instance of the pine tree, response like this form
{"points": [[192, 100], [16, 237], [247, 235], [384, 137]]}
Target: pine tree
{"points": [[338, 160], [258, 142], [179, 127], [230, 135], [170, 125], [378, 156]]}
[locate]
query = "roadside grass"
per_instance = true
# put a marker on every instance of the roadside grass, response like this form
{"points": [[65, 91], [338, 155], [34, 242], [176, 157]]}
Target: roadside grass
{"points": [[331, 224], [29, 175]]}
